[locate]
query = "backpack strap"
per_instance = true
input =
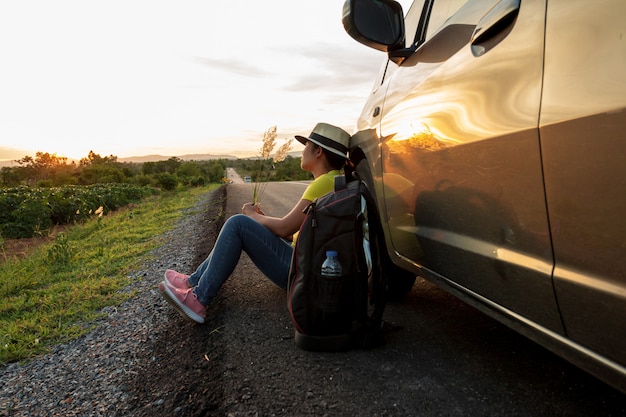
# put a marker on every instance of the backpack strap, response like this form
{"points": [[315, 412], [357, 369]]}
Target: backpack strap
{"points": [[340, 182], [349, 175]]}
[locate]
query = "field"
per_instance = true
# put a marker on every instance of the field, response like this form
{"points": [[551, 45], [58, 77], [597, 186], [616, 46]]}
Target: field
{"points": [[27, 212]]}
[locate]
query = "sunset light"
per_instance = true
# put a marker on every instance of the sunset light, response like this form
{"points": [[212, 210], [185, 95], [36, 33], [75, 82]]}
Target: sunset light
{"points": [[173, 78]]}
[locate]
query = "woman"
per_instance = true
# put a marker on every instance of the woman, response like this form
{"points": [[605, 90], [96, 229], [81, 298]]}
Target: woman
{"points": [[267, 240]]}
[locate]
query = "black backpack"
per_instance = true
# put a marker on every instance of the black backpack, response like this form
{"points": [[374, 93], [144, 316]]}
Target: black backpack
{"points": [[335, 314]]}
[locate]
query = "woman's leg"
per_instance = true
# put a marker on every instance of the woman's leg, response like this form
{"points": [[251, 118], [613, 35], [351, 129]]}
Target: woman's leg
{"points": [[195, 276], [270, 253]]}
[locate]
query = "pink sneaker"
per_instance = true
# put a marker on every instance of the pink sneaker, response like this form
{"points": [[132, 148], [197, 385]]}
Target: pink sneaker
{"points": [[183, 300], [177, 279]]}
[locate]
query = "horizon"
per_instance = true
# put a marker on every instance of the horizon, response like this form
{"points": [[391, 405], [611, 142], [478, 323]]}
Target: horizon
{"points": [[200, 156]]}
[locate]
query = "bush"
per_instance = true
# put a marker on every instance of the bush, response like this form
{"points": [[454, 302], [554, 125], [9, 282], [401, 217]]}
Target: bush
{"points": [[44, 183], [142, 179], [167, 181], [198, 181]]}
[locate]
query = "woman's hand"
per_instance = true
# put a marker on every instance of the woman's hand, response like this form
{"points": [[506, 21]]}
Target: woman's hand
{"points": [[280, 226], [249, 209]]}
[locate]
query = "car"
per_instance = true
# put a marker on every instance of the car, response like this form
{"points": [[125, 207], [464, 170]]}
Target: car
{"points": [[494, 142]]}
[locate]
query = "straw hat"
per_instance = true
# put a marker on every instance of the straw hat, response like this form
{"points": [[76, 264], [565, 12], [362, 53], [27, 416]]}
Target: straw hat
{"points": [[329, 137]]}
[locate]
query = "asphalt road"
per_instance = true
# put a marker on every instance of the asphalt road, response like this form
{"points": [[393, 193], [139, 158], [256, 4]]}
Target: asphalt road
{"points": [[441, 356], [233, 176]]}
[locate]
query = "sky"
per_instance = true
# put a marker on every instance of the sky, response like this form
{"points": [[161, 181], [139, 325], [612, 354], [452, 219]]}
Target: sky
{"points": [[130, 78]]}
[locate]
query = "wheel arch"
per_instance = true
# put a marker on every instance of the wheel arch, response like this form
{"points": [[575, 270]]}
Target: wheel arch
{"points": [[399, 280]]}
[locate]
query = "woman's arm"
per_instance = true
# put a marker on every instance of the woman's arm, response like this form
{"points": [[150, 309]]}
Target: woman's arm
{"points": [[285, 226]]}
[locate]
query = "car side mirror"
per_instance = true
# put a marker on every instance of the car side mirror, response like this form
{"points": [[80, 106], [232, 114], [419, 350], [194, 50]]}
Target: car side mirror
{"points": [[378, 24]]}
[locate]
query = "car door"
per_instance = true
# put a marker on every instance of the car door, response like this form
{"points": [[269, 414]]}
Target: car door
{"points": [[583, 142], [461, 164]]}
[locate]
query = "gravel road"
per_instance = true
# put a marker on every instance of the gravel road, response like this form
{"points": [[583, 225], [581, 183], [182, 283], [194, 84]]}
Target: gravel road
{"points": [[442, 358]]}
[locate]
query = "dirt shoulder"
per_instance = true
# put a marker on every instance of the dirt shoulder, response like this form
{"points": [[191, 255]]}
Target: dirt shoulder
{"points": [[178, 370]]}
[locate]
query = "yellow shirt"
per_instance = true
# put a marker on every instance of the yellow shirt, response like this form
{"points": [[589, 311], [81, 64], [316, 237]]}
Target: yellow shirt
{"points": [[323, 184]]}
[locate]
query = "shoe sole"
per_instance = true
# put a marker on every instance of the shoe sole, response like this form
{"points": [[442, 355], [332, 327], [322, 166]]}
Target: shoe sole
{"points": [[185, 311]]}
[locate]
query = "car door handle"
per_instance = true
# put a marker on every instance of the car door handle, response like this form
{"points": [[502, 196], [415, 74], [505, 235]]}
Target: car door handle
{"points": [[494, 26]]}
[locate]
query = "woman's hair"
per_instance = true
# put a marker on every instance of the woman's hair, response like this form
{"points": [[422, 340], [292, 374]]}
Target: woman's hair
{"points": [[335, 161]]}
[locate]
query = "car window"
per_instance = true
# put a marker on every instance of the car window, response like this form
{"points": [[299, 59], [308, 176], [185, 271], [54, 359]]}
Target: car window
{"points": [[411, 23], [442, 11]]}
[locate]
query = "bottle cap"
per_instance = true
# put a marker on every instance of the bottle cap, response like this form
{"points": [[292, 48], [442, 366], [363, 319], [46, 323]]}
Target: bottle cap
{"points": [[331, 253]]}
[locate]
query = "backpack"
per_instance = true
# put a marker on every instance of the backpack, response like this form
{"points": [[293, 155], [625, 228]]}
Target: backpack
{"points": [[337, 314]]}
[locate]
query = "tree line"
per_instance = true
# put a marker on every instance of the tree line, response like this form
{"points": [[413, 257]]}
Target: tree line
{"points": [[51, 170]]}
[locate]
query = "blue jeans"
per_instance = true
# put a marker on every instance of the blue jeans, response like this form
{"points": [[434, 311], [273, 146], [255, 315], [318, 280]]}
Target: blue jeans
{"points": [[270, 253]]}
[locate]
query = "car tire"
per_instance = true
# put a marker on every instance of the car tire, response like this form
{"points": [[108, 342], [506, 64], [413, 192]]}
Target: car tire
{"points": [[399, 281], [377, 279]]}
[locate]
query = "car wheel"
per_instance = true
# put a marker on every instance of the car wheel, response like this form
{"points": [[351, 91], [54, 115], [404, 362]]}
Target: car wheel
{"points": [[377, 285], [398, 281]]}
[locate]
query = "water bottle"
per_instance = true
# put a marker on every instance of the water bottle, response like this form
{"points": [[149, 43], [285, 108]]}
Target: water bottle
{"points": [[331, 266], [329, 294]]}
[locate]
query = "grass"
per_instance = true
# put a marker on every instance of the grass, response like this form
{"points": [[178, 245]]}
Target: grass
{"points": [[56, 292]]}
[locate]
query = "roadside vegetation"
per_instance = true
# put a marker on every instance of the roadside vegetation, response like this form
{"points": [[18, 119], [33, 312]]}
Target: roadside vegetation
{"points": [[27, 212], [53, 294]]}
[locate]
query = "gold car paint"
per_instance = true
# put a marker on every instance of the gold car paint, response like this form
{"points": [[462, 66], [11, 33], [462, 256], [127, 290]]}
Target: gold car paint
{"points": [[583, 125], [461, 163], [499, 167]]}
